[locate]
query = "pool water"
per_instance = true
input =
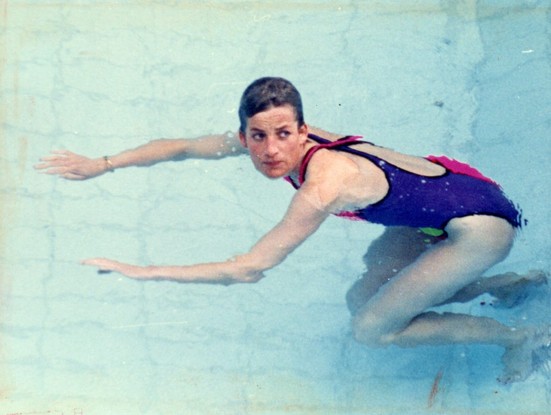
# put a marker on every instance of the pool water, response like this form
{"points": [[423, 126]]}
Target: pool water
{"points": [[471, 79]]}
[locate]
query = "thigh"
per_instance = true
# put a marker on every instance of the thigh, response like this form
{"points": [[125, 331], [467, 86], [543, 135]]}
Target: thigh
{"points": [[395, 249], [474, 244], [386, 256]]}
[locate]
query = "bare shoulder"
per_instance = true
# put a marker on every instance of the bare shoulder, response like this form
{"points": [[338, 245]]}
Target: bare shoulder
{"points": [[330, 178], [415, 164], [342, 181], [326, 165]]}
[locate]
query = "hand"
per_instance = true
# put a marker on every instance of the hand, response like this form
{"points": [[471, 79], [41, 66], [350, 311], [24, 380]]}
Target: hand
{"points": [[71, 166], [105, 265], [249, 278]]}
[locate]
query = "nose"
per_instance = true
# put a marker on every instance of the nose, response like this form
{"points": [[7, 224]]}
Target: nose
{"points": [[271, 148]]}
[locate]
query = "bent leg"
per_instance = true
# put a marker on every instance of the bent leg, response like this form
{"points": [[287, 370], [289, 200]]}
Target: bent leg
{"points": [[395, 313], [508, 288], [386, 256], [451, 328]]}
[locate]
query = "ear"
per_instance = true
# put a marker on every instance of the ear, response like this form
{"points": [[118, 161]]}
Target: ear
{"points": [[243, 139], [303, 130]]}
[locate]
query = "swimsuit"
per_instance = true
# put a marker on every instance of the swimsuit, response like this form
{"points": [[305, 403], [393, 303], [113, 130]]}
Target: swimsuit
{"points": [[423, 201]]}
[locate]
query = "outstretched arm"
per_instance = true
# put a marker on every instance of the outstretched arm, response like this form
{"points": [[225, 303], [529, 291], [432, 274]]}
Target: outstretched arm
{"points": [[303, 218], [73, 166]]}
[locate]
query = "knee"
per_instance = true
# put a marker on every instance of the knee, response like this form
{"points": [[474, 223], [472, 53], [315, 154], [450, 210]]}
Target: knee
{"points": [[360, 293], [366, 287], [371, 330]]}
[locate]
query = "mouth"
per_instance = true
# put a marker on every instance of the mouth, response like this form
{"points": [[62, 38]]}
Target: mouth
{"points": [[272, 164]]}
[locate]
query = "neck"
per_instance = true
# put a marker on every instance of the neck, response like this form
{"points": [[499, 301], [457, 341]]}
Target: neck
{"points": [[294, 174]]}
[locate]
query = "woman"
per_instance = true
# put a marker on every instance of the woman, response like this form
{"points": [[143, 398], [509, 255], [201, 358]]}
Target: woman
{"points": [[447, 224]]}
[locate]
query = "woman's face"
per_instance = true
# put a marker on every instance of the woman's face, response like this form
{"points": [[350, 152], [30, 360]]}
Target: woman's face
{"points": [[275, 141]]}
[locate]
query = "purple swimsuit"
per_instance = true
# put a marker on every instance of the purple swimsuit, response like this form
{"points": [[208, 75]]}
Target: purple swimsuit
{"points": [[424, 201]]}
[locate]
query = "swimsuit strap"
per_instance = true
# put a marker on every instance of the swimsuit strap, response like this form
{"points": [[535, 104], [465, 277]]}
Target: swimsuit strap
{"points": [[323, 143]]}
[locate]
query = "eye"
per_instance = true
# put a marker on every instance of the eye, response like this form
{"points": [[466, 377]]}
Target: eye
{"points": [[258, 136], [284, 134]]}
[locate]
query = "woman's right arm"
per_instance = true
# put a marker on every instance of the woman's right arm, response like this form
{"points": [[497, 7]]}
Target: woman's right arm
{"points": [[73, 166]]}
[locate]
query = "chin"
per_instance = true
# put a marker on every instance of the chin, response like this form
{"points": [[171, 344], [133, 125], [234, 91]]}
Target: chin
{"points": [[273, 174]]}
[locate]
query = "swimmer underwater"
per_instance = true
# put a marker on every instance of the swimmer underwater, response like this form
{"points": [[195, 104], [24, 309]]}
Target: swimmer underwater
{"points": [[446, 224]]}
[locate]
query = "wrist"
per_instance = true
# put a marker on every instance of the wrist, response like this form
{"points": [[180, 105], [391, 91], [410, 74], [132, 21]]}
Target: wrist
{"points": [[108, 164]]}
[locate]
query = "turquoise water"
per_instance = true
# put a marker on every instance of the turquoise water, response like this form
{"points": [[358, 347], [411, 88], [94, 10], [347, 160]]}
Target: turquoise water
{"points": [[471, 79]]}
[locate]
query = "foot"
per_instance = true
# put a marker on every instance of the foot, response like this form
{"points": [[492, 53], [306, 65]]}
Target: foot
{"points": [[518, 289], [522, 360]]}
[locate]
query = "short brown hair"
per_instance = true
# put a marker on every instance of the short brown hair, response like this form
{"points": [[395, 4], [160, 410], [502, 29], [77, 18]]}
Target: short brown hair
{"points": [[266, 93]]}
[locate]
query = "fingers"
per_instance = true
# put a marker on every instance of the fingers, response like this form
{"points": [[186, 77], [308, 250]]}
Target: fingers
{"points": [[59, 171], [102, 263], [104, 266], [51, 161], [49, 169], [58, 155], [63, 152], [73, 176], [46, 163], [65, 164]]}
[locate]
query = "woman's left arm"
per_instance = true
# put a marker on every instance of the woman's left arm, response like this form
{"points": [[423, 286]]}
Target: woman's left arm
{"points": [[303, 218]]}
